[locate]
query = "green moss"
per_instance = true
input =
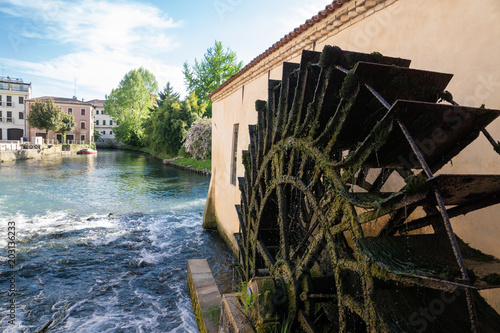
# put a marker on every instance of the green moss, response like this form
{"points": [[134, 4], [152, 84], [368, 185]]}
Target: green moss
{"points": [[472, 253], [330, 56], [493, 278], [245, 156], [446, 96], [213, 314], [416, 184], [260, 105], [377, 56], [349, 86], [497, 147], [399, 83], [451, 273]]}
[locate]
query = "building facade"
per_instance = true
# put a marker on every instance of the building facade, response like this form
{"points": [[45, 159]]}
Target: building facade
{"points": [[83, 113], [444, 36], [13, 95], [104, 124]]}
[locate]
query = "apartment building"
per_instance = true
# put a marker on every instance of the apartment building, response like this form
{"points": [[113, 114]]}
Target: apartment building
{"points": [[82, 111], [13, 95], [104, 123]]}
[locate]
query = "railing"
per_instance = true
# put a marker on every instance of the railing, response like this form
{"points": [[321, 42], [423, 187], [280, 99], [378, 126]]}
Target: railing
{"points": [[10, 145]]}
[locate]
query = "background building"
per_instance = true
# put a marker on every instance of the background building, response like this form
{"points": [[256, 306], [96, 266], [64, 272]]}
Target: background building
{"points": [[13, 94], [82, 111], [104, 124]]}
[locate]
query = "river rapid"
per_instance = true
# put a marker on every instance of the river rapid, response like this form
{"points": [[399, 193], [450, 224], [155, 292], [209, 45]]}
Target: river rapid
{"points": [[101, 244]]}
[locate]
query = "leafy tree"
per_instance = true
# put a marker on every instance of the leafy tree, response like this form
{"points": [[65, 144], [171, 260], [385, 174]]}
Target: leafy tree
{"points": [[45, 115], [97, 136], [67, 125], [130, 105], [170, 121], [215, 68]]}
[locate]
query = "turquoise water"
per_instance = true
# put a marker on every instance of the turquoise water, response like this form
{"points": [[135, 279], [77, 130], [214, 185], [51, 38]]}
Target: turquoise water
{"points": [[102, 244]]}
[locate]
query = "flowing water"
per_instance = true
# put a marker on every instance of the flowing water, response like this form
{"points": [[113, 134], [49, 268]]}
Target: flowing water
{"points": [[101, 244]]}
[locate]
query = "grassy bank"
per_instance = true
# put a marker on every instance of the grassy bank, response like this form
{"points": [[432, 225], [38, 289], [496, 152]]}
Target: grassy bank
{"points": [[184, 161]]}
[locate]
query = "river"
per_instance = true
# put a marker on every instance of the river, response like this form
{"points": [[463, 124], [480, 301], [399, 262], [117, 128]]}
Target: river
{"points": [[101, 244]]}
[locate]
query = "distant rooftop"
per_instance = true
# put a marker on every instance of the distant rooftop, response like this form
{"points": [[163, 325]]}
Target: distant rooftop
{"points": [[61, 100], [12, 80], [97, 102]]}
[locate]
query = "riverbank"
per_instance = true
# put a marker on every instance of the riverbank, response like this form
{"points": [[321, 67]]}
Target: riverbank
{"points": [[45, 151], [201, 167]]}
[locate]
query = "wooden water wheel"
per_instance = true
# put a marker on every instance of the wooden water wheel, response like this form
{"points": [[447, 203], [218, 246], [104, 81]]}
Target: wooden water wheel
{"points": [[341, 208]]}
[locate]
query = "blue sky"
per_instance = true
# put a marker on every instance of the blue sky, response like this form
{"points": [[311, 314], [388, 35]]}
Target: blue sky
{"points": [[50, 43]]}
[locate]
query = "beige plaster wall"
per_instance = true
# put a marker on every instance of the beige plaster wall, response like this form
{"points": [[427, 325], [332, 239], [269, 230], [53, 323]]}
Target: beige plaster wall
{"points": [[452, 36]]}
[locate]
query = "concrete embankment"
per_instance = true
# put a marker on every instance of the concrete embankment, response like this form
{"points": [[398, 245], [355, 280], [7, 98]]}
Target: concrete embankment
{"points": [[26, 154], [214, 313], [205, 295]]}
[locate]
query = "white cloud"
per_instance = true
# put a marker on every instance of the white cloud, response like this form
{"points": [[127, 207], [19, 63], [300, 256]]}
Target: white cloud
{"points": [[106, 39], [300, 11]]}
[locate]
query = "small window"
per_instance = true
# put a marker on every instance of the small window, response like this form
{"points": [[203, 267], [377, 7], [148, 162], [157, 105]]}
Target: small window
{"points": [[21, 115], [110, 122], [21, 100], [103, 122], [96, 111], [83, 125], [103, 132], [9, 117], [9, 100], [110, 132], [234, 153], [70, 110], [102, 112], [82, 112], [97, 122], [82, 137]]}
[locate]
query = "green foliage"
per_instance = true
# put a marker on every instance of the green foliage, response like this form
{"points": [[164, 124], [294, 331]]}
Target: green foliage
{"points": [[217, 66], [130, 105], [168, 96], [97, 136], [170, 121], [45, 115], [197, 164], [67, 125]]}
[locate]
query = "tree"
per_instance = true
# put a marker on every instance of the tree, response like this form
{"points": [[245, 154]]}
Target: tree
{"points": [[215, 68], [45, 115], [67, 125], [97, 136], [130, 105], [168, 95], [170, 121]]}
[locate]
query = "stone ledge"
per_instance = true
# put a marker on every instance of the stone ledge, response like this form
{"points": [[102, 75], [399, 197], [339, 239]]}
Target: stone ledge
{"points": [[205, 296], [233, 320]]}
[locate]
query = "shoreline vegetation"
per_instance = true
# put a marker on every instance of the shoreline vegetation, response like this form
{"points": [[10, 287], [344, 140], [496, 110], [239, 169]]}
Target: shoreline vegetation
{"points": [[202, 167]]}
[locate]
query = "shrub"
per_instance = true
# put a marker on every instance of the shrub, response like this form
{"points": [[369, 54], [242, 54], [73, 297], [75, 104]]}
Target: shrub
{"points": [[198, 140]]}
